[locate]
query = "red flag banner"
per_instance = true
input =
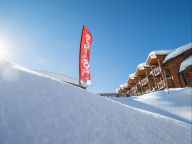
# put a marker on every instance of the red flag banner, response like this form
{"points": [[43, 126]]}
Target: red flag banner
{"points": [[84, 69]]}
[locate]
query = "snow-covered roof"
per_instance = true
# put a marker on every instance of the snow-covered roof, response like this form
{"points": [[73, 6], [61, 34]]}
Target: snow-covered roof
{"points": [[117, 90], [185, 64], [142, 64], [177, 52], [159, 52], [123, 85], [132, 75]]}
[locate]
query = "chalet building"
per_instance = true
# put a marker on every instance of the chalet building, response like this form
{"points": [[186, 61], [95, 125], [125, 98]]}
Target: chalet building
{"points": [[163, 69], [186, 72], [133, 84], [172, 62], [155, 60], [145, 83], [123, 89]]}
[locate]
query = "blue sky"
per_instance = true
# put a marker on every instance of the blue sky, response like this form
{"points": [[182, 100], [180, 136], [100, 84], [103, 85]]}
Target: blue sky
{"points": [[45, 34]]}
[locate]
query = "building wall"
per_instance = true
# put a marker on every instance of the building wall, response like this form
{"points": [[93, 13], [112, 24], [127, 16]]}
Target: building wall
{"points": [[167, 75], [186, 77], [173, 67], [159, 79]]}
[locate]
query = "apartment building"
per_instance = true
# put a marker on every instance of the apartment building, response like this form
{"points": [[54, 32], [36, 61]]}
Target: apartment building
{"points": [[162, 69]]}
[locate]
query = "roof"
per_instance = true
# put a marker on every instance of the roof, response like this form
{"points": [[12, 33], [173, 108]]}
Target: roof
{"points": [[177, 52], [143, 64], [123, 85], [159, 52], [132, 75], [185, 64]]}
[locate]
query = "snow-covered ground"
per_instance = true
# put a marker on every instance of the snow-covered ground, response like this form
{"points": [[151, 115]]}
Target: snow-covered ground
{"points": [[175, 103], [35, 109]]}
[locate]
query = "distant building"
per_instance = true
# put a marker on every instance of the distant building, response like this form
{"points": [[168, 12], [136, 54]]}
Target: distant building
{"points": [[132, 84], [123, 89], [145, 82], [155, 60], [162, 69]]}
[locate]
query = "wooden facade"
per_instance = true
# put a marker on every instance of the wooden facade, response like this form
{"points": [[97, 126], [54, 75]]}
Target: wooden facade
{"points": [[133, 84], [186, 77], [186, 72], [123, 90], [162, 70], [155, 60], [144, 80], [172, 64]]}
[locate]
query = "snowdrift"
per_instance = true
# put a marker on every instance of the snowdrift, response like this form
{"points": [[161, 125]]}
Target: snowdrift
{"points": [[36, 109], [175, 103]]}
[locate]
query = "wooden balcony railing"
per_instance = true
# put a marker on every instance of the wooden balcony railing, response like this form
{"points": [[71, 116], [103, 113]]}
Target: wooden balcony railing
{"points": [[134, 89], [144, 81], [156, 71], [161, 84]]}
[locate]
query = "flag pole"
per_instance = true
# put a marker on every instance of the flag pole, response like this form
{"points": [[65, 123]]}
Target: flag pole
{"points": [[80, 58]]}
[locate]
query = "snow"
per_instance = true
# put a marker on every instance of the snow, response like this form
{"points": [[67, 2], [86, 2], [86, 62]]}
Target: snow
{"points": [[185, 64], [143, 64], [176, 104], [117, 90], [177, 52], [132, 75], [36, 109], [124, 85], [60, 77], [159, 52]]}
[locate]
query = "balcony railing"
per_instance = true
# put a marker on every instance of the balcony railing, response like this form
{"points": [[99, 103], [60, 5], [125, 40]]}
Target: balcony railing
{"points": [[161, 84], [144, 81], [156, 71], [134, 89]]}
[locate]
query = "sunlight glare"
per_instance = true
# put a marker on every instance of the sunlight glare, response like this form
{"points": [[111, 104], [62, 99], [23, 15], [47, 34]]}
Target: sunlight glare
{"points": [[4, 46]]}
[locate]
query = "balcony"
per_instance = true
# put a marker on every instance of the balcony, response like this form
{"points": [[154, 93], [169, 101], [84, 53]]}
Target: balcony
{"points": [[134, 89], [156, 71], [169, 82], [144, 81], [161, 84]]}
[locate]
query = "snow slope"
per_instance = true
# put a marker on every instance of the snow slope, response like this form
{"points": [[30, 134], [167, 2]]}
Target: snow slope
{"points": [[176, 104], [35, 109]]}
